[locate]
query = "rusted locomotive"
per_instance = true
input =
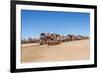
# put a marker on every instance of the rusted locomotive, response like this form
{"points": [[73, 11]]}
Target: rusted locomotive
{"points": [[54, 39], [50, 39]]}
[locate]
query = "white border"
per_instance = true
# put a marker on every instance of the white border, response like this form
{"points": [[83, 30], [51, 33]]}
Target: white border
{"points": [[20, 65]]}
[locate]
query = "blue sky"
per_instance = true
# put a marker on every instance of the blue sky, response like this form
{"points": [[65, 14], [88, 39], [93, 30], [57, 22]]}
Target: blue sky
{"points": [[35, 22]]}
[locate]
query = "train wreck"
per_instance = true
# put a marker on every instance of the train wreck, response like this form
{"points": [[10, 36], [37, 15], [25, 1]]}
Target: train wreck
{"points": [[54, 39]]}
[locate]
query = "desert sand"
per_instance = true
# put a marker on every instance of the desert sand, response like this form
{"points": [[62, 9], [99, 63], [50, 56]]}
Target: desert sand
{"points": [[66, 51]]}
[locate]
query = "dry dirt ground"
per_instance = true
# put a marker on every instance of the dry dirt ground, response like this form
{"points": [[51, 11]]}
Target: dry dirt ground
{"points": [[73, 50]]}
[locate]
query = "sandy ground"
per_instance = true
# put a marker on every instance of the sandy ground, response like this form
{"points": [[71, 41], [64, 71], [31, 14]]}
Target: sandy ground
{"points": [[73, 50]]}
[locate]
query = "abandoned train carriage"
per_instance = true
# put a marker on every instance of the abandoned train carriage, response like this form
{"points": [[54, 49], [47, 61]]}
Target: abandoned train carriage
{"points": [[54, 39], [50, 39]]}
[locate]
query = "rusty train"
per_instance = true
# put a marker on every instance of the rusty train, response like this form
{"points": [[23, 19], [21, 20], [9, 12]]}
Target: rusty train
{"points": [[54, 39]]}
